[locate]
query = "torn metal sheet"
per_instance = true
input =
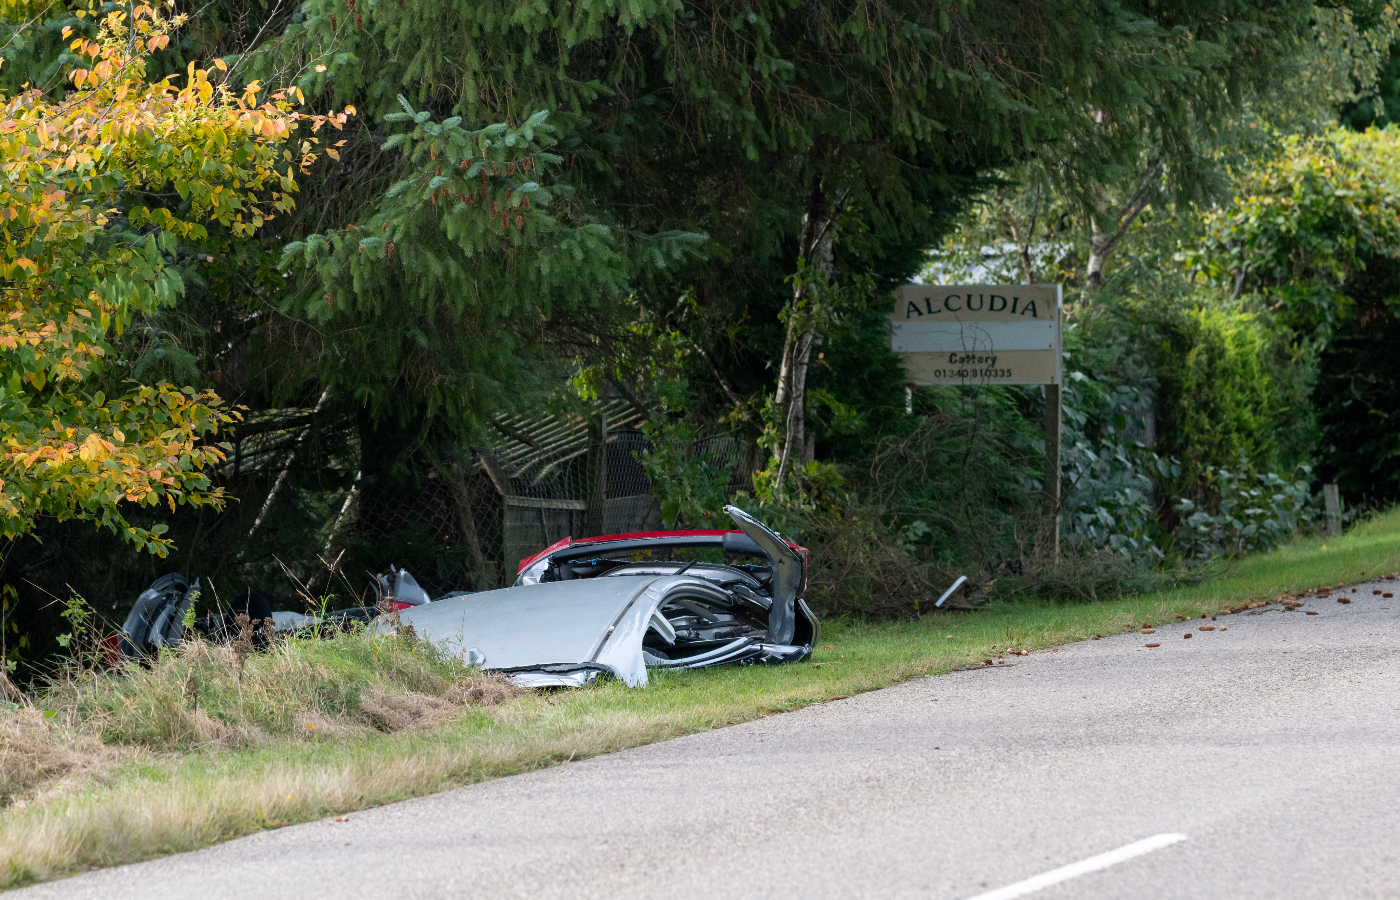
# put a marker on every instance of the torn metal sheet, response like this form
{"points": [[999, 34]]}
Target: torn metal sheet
{"points": [[620, 603], [158, 618], [400, 588]]}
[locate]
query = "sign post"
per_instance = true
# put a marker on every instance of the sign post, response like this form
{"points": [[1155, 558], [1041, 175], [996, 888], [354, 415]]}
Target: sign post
{"points": [[989, 334]]}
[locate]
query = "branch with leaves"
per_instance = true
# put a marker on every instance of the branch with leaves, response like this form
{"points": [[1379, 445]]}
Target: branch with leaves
{"points": [[84, 247]]}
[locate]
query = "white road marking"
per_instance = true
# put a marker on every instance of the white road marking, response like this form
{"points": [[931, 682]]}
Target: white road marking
{"points": [[1084, 867]]}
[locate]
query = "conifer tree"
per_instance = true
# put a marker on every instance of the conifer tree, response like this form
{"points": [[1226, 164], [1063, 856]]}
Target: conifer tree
{"points": [[775, 127]]}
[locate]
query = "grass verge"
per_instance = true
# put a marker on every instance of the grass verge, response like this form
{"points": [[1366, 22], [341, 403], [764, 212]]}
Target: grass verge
{"points": [[153, 798]]}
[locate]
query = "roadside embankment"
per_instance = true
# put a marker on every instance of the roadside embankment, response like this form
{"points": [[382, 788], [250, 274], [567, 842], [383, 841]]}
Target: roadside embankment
{"points": [[311, 729]]}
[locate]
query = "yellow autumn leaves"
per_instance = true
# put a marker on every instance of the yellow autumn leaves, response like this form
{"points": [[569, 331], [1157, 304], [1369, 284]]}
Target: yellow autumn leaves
{"points": [[163, 161]]}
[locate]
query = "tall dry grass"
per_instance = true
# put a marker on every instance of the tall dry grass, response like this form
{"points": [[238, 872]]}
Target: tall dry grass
{"points": [[205, 702], [209, 696], [235, 793], [40, 760]]}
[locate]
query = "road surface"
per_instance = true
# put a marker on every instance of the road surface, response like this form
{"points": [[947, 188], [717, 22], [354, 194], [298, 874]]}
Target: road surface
{"points": [[1270, 747]]}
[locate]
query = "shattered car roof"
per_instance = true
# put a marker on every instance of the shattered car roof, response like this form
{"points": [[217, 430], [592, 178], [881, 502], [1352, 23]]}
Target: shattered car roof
{"points": [[583, 608]]}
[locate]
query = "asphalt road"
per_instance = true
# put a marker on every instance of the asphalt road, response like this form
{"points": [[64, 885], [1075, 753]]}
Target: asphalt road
{"points": [[1271, 746]]}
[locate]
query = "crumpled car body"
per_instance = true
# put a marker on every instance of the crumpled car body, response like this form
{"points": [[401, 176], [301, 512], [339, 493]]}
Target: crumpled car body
{"points": [[158, 618], [619, 604]]}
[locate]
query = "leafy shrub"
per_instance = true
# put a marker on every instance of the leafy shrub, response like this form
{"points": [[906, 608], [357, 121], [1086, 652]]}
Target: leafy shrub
{"points": [[1314, 235], [1110, 499], [1249, 512], [689, 488], [1219, 397]]}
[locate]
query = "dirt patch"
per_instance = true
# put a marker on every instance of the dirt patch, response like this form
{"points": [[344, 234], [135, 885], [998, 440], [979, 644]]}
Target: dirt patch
{"points": [[41, 760], [393, 711], [485, 690], [404, 710]]}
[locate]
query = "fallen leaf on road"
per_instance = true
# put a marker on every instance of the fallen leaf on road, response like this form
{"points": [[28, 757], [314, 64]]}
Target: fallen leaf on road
{"points": [[342, 818], [1222, 627], [838, 697], [1206, 628], [1343, 599], [1149, 631], [1387, 594], [1025, 652], [1311, 612], [1152, 645], [1375, 592], [1187, 634]]}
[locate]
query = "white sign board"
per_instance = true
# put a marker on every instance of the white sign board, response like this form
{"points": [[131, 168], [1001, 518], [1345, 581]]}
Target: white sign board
{"points": [[979, 334]]}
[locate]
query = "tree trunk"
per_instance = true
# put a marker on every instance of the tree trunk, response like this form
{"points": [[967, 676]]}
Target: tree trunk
{"points": [[1099, 248], [597, 507], [814, 248], [1020, 236], [1101, 243], [282, 475], [485, 573]]}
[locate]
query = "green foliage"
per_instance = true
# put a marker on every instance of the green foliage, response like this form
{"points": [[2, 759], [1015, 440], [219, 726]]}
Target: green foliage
{"points": [[691, 491], [1358, 392], [856, 384], [1381, 109], [82, 643], [1315, 234], [76, 614], [1109, 478], [1246, 512], [715, 118], [811, 487], [98, 189], [431, 290], [1305, 222], [1217, 400], [11, 640], [957, 492]]}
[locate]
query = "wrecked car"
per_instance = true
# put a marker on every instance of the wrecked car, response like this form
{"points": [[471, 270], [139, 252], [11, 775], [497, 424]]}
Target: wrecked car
{"points": [[617, 604], [582, 608]]}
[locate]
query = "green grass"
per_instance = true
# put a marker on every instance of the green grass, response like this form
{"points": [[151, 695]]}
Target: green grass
{"points": [[162, 801]]}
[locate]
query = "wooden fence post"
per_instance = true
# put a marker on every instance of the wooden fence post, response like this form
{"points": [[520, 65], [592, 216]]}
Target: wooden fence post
{"points": [[1333, 500], [1053, 430], [597, 515]]}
